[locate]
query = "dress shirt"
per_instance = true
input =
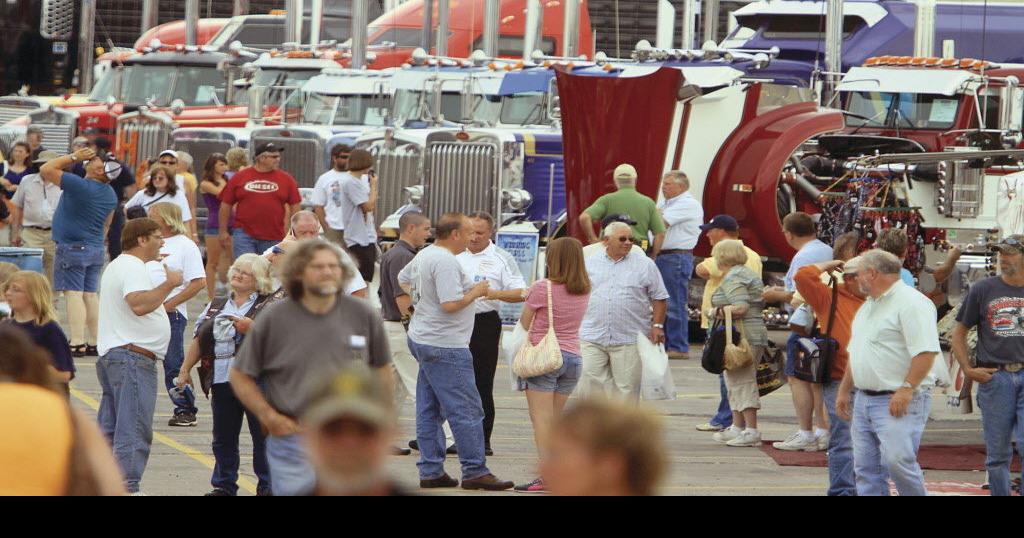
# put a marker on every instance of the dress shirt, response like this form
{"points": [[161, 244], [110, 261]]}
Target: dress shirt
{"points": [[620, 299], [495, 265], [684, 216]]}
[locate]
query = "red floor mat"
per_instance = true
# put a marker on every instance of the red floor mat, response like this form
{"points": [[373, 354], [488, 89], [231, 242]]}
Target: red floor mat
{"points": [[932, 457]]}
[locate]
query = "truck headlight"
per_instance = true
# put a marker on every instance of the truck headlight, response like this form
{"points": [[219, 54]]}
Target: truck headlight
{"points": [[516, 199]]}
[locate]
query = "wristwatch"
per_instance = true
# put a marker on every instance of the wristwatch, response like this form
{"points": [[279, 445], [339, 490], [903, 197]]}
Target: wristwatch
{"points": [[659, 326], [907, 385]]}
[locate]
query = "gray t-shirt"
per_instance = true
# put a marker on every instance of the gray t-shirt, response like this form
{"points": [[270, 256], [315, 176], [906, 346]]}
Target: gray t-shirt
{"points": [[289, 347], [998, 310], [360, 228], [436, 277], [392, 263]]}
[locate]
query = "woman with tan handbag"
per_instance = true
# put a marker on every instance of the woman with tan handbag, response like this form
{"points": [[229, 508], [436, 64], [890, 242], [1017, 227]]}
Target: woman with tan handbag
{"points": [[552, 314], [739, 300]]}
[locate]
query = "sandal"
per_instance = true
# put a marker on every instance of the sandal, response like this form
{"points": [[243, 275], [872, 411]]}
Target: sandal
{"points": [[79, 351], [92, 351]]}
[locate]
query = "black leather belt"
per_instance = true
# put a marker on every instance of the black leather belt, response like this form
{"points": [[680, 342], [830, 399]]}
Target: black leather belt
{"points": [[878, 392], [43, 228], [1011, 368], [675, 251]]}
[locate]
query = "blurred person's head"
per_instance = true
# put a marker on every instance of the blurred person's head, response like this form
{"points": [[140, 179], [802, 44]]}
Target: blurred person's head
{"points": [[80, 142], [250, 273], [720, 228], [674, 183], [141, 238], [277, 256], [482, 230], [414, 228], [315, 267], [624, 176], [237, 159], [348, 424], [37, 448], [600, 447], [877, 272], [729, 253], [162, 179], [618, 240], [215, 167], [798, 228], [168, 217], [7, 270], [29, 294], [168, 158], [565, 265], [339, 157], [845, 246], [34, 136], [22, 361], [21, 154], [305, 225], [184, 163], [453, 231], [893, 241], [359, 161]]}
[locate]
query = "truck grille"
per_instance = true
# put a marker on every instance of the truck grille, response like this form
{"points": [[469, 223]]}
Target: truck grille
{"points": [[461, 177], [14, 110], [201, 148], [397, 169], [303, 158], [141, 136], [57, 137]]}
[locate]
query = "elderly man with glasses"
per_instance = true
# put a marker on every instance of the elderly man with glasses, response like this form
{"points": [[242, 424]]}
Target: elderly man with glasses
{"points": [[626, 288]]}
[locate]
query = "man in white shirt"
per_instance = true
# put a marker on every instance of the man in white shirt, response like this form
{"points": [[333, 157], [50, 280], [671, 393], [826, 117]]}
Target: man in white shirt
{"points": [[180, 254], [483, 260], [683, 216], [133, 336], [34, 202], [893, 344], [327, 196]]}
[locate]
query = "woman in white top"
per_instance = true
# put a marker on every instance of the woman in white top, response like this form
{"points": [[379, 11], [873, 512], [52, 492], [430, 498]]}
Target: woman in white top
{"points": [[162, 187]]}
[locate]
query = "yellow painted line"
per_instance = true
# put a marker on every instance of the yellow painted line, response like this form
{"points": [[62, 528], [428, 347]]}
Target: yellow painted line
{"points": [[206, 461], [742, 488]]}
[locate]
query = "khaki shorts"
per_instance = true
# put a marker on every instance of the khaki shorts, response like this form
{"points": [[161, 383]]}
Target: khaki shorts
{"points": [[741, 384]]}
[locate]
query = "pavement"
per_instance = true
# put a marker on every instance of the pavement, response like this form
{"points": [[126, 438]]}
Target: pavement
{"points": [[181, 459]]}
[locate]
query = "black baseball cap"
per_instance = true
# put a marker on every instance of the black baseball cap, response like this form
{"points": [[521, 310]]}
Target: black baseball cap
{"points": [[617, 218], [267, 147], [721, 222]]}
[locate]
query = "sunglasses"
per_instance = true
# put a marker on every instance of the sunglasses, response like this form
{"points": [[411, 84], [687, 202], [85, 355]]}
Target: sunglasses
{"points": [[625, 238]]}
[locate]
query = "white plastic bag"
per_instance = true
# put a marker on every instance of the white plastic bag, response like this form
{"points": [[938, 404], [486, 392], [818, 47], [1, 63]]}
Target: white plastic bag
{"points": [[656, 381], [941, 371], [511, 341]]}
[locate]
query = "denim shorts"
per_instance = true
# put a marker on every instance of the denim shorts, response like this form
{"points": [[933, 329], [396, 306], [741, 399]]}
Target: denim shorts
{"points": [[562, 381], [791, 349], [78, 267]]}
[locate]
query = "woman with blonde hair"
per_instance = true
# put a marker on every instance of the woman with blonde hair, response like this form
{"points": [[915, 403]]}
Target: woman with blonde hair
{"points": [[741, 290], [237, 159], [567, 290], [30, 297], [219, 334]]}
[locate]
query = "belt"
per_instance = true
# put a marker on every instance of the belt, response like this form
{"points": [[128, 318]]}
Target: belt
{"points": [[1011, 368], [43, 228], [676, 251], [141, 351], [878, 392]]}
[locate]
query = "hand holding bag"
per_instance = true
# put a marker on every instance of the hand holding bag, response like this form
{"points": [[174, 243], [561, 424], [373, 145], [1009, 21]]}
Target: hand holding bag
{"points": [[543, 358], [814, 356], [713, 356], [737, 353]]}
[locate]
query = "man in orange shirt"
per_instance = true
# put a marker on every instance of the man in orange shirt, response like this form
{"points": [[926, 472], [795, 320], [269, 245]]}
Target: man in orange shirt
{"points": [[849, 299]]}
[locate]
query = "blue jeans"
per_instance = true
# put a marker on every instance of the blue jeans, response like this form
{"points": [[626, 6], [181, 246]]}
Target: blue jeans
{"points": [[1001, 401], [841, 477], [290, 471], [77, 267], [175, 357], [227, 426], [886, 447], [675, 271], [128, 381], [446, 389], [243, 243], [724, 416]]}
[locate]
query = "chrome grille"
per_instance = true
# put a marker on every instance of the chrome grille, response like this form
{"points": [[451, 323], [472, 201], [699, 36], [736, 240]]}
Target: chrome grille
{"points": [[201, 148], [303, 158], [461, 177], [58, 19], [13, 111], [397, 169], [141, 136], [57, 137], [8, 136]]}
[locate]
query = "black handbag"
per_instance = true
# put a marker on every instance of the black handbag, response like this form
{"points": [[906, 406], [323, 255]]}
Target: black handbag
{"points": [[814, 355], [713, 356], [139, 211]]}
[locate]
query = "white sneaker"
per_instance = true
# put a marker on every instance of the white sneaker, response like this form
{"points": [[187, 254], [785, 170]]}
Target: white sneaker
{"points": [[797, 442], [745, 439], [138, 494], [726, 435], [822, 441]]}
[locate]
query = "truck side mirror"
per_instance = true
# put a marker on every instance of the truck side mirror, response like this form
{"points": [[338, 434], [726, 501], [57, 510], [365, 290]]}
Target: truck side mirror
{"points": [[1011, 105]]}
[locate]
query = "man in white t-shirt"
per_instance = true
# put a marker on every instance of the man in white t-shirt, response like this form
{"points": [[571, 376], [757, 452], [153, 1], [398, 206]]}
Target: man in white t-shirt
{"points": [[133, 335], [327, 196], [180, 254]]}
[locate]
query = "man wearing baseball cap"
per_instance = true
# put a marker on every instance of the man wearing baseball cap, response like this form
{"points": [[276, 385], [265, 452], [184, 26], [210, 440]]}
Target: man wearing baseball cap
{"points": [[266, 197], [627, 201], [996, 306], [34, 137], [718, 229], [348, 424]]}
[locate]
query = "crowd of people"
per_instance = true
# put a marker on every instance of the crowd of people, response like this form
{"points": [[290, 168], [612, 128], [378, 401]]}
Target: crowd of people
{"points": [[290, 342]]}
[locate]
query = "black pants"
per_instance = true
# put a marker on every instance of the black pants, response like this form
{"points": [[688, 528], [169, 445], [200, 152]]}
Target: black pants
{"points": [[484, 346], [114, 234], [227, 426], [366, 257]]}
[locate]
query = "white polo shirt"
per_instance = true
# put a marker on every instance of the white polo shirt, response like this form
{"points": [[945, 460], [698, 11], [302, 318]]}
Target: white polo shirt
{"points": [[887, 334], [495, 265], [684, 216]]}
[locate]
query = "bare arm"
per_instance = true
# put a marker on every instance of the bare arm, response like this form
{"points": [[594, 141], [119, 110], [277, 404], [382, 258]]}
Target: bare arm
{"points": [[658, 334], [249, 393], [106, 223], [703, 272], [962, 354], [507, 296], [371, 204], [191, 359], [588, 227], [480, 290], [60, 377], [16, 220], [526, 318], [209, 187], [943, 271], [144, 302], [404, 303], [289, 211], [225, 214], [53, 170], [321, 215], [659, 240], [777, 295], [190, 291]]}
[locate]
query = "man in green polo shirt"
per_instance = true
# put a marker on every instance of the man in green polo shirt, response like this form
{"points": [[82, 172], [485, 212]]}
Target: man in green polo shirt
{"points": [[627, 201]]}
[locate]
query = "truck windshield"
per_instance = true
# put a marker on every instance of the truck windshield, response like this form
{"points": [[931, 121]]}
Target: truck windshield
{"points": [[415, 105], [524, 109], [345, 110], [106, 86], [281, 78], [903, 110], [162, 84]]}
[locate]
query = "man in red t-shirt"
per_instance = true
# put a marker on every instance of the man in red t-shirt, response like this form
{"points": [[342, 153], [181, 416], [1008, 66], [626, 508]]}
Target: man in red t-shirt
{"points": [[264, 198]]}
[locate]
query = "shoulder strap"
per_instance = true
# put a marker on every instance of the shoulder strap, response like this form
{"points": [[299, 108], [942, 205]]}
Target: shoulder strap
{"points": [[155, 200], [216, 306], [728, 325], [832, 308], [551, 318]]}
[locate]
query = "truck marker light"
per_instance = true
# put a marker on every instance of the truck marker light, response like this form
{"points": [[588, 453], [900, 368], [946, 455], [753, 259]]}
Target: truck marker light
{"points": [[743, 187]]}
